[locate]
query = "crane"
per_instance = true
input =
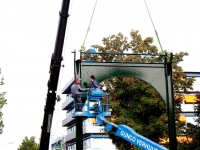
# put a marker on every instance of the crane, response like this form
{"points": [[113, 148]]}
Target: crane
{"points": [[54, 72]]}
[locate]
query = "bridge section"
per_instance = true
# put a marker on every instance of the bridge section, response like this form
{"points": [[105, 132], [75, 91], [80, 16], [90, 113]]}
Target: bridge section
{"points": [[154, 74]]}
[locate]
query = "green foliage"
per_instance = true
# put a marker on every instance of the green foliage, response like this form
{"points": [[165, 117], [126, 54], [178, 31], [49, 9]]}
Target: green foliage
{"points": [[134, 102], [2, 103], [29, 144], [197, 126], [197, 108], [191, 131], [139, 106]]}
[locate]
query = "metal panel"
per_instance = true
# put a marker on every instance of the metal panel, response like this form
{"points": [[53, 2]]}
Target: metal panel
{"points": [[154, 73]]}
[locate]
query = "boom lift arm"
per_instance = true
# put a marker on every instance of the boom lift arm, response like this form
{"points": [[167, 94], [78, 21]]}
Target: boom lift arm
{"points": [[54, 77], [96, 109], [129, 135]]}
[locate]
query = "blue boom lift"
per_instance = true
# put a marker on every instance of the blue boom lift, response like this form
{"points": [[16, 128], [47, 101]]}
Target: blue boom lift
{"points": [[94, 108]]}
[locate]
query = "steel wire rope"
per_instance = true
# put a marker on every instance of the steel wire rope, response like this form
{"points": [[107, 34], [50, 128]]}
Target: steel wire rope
{"points": [[154, 27], [82, 47], [64, 48]]}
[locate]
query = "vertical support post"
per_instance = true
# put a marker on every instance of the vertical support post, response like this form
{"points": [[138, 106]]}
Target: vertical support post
{"points": [[88, 103], [173, 144], [74, 62], [170, 104], [106, 102], [79, 120], [79, 133], [81, 55], [100, 104]]}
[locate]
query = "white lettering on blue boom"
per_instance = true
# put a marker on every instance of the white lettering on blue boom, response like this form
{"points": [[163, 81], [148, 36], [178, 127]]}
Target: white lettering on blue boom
{"points": [[128, 136], [139, 142], [145, 145]]}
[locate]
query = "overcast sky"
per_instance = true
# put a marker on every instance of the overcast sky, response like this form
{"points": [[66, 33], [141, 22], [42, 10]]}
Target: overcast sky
{"points": [[27, 37]]}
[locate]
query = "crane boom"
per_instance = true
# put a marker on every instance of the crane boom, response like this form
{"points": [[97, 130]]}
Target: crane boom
{"points": [[54, 77]]}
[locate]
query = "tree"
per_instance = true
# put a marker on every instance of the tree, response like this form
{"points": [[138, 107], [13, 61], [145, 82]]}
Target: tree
{"points": [[196, 128], [197, 108], [192, 131], [134, 102], [2, 103], [138, 106], [29, 144]]}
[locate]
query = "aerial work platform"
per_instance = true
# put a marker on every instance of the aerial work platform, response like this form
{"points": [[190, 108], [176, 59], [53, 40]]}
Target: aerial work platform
{"points": [[92, 104], [94, 108]]}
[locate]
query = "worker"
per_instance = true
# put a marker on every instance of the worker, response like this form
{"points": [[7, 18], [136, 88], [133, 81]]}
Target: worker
{"points": [[94, 84], [75, 91]]}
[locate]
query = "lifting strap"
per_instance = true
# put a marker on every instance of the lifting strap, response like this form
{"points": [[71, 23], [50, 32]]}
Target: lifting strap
{"points": [[154, 28], [82, 47]]}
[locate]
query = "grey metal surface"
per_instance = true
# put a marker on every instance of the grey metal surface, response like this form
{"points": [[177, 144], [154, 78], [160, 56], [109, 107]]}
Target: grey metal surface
{"points": [[154, 73]]}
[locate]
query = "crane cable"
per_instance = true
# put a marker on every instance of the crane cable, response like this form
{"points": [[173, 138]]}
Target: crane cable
{"points": [[82, 47], [154, 27], [64, 50]]}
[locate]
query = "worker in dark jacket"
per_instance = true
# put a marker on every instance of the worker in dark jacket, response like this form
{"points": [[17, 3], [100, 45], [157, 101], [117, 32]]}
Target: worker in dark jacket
{"points": [[75, 90], [94, 84]]}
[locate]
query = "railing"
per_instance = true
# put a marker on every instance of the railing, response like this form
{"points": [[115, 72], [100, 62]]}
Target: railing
{"points": [[122, 57], [106, 108]]}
